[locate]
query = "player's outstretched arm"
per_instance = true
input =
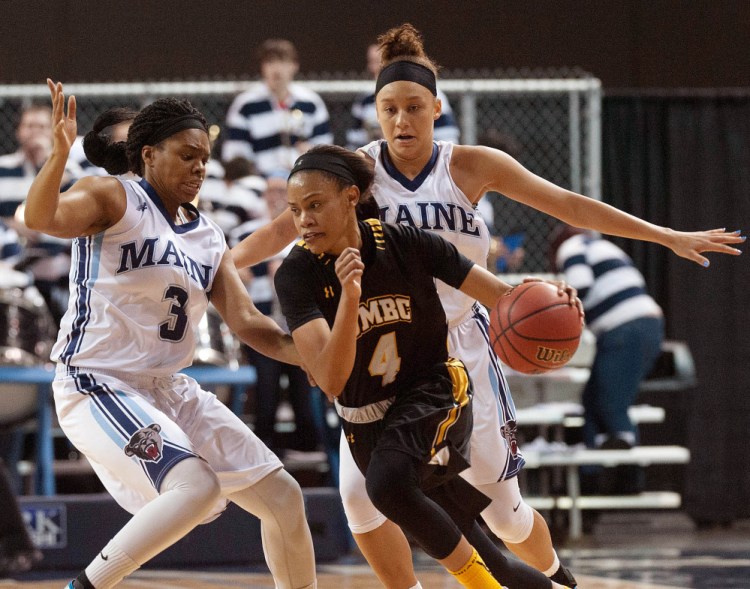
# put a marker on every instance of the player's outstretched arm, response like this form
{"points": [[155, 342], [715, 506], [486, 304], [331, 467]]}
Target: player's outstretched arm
{"points": [[90, 205], [267, 241], [484, 286], [486, 169], [258, 331]]}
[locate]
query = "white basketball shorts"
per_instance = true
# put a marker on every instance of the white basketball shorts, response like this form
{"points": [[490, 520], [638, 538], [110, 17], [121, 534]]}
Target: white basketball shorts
{"points": [[133, 428]]}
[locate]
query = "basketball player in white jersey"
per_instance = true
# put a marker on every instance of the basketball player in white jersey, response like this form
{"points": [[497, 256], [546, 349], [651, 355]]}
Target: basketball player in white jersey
{"points": [[145, 263], [436, 185]]}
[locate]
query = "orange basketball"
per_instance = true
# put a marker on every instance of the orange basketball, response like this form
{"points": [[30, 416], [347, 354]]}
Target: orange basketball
{"points": [[533, 329]]}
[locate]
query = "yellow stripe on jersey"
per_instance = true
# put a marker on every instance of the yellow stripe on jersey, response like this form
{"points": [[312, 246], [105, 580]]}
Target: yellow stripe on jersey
{"points": [[377, 232], [324, 257], [460, 379]]}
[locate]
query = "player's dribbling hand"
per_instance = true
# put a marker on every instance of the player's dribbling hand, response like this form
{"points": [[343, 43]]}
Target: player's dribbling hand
{"points": [[64, 127], [349, 268], [563, 289]]}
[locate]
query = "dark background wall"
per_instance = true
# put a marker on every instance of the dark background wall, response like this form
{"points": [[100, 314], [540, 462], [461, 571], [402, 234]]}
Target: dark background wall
{"points": [[635, 43]]}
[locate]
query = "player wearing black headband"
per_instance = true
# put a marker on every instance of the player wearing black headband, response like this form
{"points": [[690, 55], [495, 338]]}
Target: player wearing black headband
{"points": [[360, 300], [144, 265]]}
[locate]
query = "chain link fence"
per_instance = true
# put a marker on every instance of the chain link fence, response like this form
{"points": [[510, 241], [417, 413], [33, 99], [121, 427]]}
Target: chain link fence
{"points": [[551, 124]]}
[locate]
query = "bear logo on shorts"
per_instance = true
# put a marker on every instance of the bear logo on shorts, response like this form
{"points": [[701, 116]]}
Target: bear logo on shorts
{"points": [[146, 443]]}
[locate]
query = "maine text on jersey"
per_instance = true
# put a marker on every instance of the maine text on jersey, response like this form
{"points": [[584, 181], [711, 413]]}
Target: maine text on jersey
{"points": [[438, 216], [383, 310], [133, 257]]}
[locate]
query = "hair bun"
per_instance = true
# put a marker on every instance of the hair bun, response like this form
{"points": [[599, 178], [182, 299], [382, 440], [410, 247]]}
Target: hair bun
{"points": [[101, 152]]}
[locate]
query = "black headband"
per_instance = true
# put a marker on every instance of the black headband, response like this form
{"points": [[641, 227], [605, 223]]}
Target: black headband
{"points": [[324, 162], [175, 125], [408, 71]]}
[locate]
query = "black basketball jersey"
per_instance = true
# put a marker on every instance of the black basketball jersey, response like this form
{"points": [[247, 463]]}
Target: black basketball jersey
{"points": [[402, 331]]}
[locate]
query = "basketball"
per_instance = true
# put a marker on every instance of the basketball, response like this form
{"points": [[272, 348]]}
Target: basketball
{"points": [[533, 329]]}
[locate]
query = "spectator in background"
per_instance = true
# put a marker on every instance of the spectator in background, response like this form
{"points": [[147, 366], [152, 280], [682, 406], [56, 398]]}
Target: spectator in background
{"points": [[629, 329], [276, 119], [232, 194], [18, 169], [10, 247], [366, 127], [268, 388], [46, 258]]}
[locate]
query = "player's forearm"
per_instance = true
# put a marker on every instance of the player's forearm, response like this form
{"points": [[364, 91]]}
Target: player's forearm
{"points": [[484, 286], [42, 199], [267, 241], [265, 336], [592, 214], [335, 362]]}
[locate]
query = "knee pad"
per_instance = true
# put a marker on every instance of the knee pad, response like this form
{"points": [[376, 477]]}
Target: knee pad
{"points": [[508, 516], [361, 514], [194, 479]]}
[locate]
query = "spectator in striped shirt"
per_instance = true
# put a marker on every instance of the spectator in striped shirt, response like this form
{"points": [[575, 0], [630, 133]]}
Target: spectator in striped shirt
{"points": [[18, 169], [47, 258], [629, 329], [276, 119], [365, 127]]}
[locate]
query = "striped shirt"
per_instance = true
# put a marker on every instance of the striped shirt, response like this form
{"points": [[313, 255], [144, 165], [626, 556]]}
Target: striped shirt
{"points": [[611, 288], [16, 175], [10, 247], [265, 131], [366, 127]]}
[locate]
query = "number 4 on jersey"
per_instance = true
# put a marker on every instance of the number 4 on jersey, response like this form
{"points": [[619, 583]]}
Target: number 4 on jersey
{"points": [[385, 360]]}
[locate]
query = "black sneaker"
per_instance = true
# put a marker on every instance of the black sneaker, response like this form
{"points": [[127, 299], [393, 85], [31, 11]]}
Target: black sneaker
{"points": [[564, 577]]}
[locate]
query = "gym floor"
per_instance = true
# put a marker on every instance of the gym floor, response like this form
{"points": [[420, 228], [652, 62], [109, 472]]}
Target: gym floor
{"points": [[634, 550]]}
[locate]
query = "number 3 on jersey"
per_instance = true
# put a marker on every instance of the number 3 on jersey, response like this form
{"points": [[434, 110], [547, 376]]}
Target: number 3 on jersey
{"points": [[173, 330], [385, 360]]}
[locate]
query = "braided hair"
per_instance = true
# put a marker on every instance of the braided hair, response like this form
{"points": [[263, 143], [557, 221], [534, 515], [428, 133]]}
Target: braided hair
{"points": [[118, 158]]}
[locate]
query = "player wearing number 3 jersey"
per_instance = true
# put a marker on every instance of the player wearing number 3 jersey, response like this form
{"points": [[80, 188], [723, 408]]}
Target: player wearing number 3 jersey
{"points": [[145, 263], [112, 265]]}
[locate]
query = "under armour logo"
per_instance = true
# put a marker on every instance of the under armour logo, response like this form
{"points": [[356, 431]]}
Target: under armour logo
{"points": [[328, 291], [142, 207], [350, 438]]}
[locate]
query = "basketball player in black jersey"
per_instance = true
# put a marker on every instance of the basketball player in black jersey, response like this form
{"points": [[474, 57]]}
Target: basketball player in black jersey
{"points": [[360, 300]]}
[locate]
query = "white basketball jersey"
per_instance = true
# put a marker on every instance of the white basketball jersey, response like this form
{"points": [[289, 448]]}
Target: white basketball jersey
{"points": [[432, 201], [138, 289]]}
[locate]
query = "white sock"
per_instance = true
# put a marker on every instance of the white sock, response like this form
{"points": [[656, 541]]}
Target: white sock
{"points": [[110, 567], [555, 565]]}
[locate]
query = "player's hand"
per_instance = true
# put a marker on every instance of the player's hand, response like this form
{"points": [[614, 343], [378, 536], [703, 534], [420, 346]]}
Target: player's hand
{"points": [[563, 289], [349, 269], [64, 127], [691, 244]]}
